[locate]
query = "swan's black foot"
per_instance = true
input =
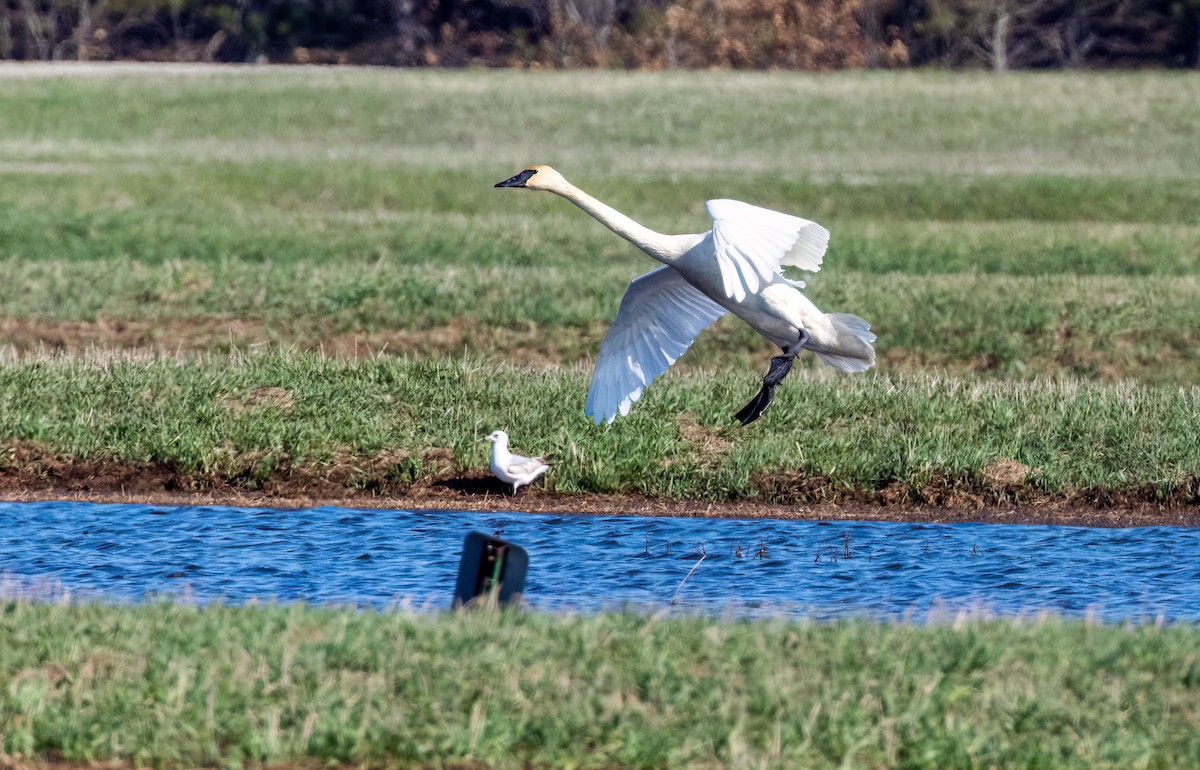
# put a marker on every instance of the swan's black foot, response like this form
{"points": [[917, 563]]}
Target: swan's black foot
{"points": [[751, 411], [780, 366]]}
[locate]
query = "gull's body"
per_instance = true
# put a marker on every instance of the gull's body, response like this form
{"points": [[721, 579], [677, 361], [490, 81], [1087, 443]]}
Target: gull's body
{"points": [[513, 469], [734, 267]]}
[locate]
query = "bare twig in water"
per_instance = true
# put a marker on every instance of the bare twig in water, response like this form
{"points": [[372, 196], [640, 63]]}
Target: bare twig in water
{"points": [[678, 588]]}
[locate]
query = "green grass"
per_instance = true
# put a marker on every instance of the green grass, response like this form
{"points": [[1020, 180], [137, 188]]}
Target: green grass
{"points": [[1026, 248], [174, 686], [1141, 327], [1071, 125], [237, 420], [318, 202]]}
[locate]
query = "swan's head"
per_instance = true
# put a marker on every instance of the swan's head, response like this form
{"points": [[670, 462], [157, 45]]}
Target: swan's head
{"points": [[535, 178], [498, 437]]}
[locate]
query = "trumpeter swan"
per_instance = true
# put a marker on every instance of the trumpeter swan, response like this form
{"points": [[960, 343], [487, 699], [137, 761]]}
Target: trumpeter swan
{"points": [[510, 468], [735, 267]]}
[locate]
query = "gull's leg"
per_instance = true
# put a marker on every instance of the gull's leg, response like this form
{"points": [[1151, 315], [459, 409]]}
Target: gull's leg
{"points": [[780, 366]]}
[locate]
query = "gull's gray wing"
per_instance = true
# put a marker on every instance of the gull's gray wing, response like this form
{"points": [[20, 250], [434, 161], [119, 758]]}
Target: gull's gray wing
{"points": [[520, 466]]}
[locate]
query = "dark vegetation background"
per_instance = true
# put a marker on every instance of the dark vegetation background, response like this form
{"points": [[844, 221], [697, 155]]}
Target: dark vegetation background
{"points": [[636, 34]]}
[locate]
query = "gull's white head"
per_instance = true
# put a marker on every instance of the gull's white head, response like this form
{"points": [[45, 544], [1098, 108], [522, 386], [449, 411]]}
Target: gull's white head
{"points": [[536, 178], [498, 437]]}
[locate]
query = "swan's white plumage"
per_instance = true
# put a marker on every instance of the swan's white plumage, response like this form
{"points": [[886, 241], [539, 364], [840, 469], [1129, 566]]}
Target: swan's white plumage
{"points": [[752, 244], [850, 327], [735, 266], [658, 319], [662, 313]]}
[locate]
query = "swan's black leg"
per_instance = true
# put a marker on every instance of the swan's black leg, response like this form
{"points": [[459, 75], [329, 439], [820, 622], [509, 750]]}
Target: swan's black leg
{"points": [[780, 366]]}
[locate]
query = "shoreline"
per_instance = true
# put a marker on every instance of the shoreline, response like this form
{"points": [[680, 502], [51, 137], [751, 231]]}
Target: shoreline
{"points": [[445, 498]]}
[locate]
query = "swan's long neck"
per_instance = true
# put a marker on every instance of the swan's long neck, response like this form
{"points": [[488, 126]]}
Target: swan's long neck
{"points": [[662, 247]]}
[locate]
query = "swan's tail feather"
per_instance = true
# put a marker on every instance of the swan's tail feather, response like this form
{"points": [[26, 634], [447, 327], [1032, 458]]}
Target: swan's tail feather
{"points": [[853, 352]]}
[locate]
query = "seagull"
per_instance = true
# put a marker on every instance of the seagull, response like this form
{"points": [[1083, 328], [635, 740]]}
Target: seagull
{"points": [[514, 469], [736, 266]]}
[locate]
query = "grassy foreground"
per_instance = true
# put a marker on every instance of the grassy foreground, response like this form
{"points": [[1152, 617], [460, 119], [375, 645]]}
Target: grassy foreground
{"points": [[248, 421], [175, 686]]}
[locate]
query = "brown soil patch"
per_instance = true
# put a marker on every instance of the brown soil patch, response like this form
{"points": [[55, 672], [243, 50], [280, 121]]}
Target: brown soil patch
{"points": [[530, 346], [1005, 474], [398, 479], [704, 440], [182, 335], [527, 347], [273, 398]]}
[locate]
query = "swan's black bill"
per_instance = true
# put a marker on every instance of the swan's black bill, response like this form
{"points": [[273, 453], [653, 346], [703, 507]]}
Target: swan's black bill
{"points": [[519, 180]]}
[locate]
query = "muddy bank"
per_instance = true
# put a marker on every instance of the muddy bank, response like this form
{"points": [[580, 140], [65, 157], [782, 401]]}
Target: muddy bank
{"points": [[365, 482]]}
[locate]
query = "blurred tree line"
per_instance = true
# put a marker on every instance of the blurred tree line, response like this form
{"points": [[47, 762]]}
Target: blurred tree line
{"points": [[652, 34]]}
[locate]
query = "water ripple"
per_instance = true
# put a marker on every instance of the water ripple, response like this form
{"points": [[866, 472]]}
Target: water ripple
{"points": [[584, 563]]}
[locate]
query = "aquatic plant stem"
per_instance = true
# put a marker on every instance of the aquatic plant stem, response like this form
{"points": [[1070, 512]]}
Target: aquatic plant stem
{"points": [[678, 588]]}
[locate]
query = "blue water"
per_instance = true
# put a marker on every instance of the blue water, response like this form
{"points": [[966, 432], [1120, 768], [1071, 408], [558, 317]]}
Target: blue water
{"points": [[583, 563]]}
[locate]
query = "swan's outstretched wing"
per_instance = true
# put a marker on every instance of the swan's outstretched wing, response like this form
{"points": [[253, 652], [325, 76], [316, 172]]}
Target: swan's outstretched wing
{"points": [[753, 243], [659, 317]]}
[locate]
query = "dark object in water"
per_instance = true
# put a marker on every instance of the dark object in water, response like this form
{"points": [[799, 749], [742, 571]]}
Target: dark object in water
{"points": [[490, 566]]}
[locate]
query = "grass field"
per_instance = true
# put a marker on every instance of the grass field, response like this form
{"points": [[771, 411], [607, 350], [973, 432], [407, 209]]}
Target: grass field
{"points": [[299, 280], [174, 686], [1026, 248], [217, 421]]}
